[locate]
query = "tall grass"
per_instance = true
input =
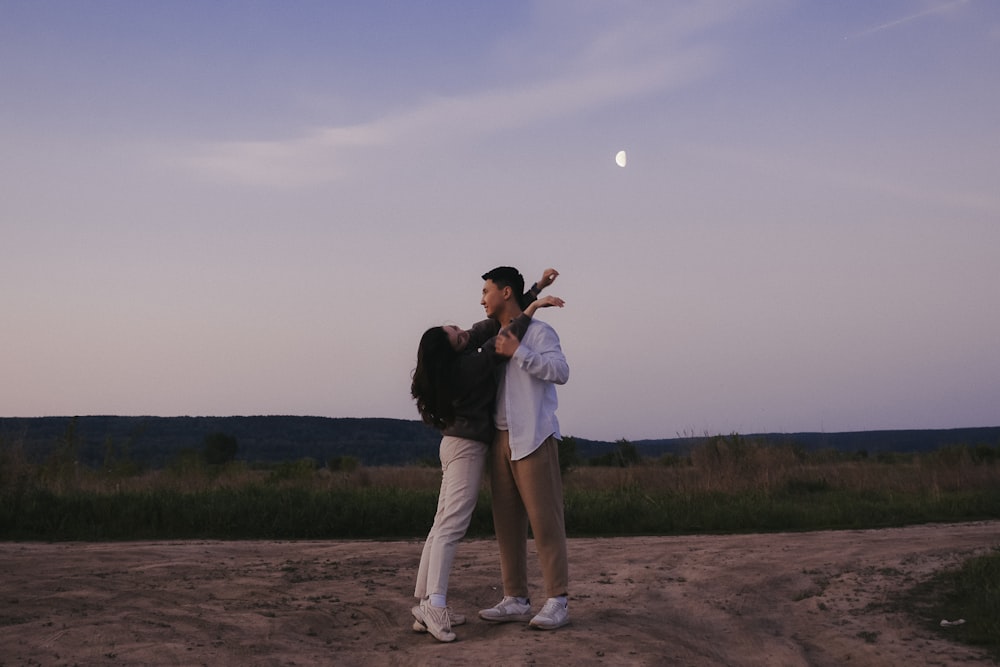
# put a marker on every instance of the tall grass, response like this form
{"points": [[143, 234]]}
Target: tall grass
{"points": [[732, 484], [725, 484]]}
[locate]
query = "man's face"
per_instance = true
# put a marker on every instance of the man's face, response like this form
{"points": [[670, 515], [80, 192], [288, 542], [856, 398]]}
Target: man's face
{"points": [[493, 298]]}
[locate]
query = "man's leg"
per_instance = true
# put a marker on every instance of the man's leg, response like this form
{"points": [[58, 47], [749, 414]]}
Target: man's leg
{"points": [[540, 483], [509, 520]]}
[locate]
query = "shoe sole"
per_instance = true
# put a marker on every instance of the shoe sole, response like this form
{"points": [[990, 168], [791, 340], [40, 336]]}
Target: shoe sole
{"points": [[539, 626], [521, 618]]}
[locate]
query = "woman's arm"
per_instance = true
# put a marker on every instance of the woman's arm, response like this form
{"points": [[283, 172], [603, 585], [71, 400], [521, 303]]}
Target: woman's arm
{"points": [[514, 332], [548, 277], [481, 332], [546, 302]]}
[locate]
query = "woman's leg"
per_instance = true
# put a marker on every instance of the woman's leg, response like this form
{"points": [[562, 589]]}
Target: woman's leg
{"points": [[462, 463], [420, 590]]}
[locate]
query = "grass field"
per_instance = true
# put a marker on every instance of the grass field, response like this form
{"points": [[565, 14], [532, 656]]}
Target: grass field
{"points": [[726, 484]]}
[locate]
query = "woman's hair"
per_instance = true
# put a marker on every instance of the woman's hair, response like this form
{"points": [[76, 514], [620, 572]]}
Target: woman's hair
{"points": [[434, 378]]}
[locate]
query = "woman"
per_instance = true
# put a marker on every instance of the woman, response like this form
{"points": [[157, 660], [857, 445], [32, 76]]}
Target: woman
{"points": [[454, 385]]}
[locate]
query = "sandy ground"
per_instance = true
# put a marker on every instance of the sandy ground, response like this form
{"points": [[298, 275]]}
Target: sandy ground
{"points": [[821, 598]]}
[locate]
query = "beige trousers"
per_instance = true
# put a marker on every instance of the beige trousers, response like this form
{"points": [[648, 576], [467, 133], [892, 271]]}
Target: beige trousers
{"points": [[462, 463], [525, 491]]}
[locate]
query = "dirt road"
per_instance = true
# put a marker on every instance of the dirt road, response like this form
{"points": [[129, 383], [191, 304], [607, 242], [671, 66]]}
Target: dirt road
{"points": [[816, 598]]}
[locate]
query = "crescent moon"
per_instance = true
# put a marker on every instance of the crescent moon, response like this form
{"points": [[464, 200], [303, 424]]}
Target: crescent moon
{"points": [[621, 159]]}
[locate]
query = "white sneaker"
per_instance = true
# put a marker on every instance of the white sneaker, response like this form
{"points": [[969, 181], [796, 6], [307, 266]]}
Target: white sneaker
{"points": [[435, 620], [553, 615], [418, 619], [507, 610]]}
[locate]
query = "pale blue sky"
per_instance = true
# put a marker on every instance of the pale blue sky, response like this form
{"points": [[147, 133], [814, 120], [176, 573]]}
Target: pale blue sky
{"points": [[242, 208]]}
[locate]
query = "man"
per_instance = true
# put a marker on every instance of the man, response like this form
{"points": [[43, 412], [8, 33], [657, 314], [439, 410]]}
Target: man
{"points": [[524, 478]]}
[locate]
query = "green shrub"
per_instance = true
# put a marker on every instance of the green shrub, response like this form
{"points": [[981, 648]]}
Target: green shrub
{"points": [[344, 463]]}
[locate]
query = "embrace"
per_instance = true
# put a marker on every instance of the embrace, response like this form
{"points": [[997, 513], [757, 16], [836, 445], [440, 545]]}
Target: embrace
{"points": [[490, 390]]}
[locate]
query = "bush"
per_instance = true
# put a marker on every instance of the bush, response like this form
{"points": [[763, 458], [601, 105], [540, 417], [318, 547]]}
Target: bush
{"points": [[344, 463], [624, 454], [219, 448]]}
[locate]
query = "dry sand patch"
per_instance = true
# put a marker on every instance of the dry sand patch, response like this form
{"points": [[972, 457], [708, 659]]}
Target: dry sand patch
{"points": [[818, 598]]}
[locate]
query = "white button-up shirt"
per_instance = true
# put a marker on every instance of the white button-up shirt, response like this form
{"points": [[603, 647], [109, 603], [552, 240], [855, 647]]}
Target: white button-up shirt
{"points": [[526, 395]]}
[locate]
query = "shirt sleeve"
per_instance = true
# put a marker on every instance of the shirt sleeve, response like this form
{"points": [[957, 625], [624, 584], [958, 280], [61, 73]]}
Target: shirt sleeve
{"points": [[543, 358], [530, 296], [482, 331]]}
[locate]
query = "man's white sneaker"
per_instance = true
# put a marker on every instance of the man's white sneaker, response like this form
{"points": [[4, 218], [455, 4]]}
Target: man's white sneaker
{"points": [[553, 615], [507, 610], [435, 620]]}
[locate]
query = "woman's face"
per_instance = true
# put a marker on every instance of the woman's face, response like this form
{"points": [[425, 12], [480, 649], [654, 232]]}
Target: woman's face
{"points": [[458, 338]]}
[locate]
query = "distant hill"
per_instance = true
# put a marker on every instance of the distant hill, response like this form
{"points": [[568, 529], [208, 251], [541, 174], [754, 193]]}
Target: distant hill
{"points": [[154, 441], [871, 442]]}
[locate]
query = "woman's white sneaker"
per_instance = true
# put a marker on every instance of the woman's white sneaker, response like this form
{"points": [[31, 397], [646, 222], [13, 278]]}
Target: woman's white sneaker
{"points": [[436, 620], [418, 616]]}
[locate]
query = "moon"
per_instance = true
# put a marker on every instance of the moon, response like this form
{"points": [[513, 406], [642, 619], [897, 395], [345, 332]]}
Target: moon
{"points": [[621, 159]]}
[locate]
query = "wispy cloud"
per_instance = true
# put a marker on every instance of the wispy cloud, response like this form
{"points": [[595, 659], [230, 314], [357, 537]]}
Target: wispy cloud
{"points": [[937, 8], [586, 82], [315, 157], [323, 154]]}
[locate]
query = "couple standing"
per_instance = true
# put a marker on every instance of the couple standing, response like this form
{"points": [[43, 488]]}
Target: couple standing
{"points": [[491, 391]]}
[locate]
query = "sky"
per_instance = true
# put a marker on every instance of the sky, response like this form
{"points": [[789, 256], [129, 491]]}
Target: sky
{"points": [[256, 208]]}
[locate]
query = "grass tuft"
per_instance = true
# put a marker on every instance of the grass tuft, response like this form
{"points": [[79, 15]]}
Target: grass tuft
{"points": [[971, 593]]}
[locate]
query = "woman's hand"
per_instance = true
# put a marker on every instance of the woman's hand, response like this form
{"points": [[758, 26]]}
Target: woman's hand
{"points": [[548, 277], [543, 302], [506, 343]]}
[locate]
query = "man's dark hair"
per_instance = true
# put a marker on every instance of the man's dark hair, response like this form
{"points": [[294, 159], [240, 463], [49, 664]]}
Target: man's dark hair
{"points": [[507, 276]]}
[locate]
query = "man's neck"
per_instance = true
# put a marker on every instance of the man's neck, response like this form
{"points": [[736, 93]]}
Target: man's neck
{"points": [[507, 315]]}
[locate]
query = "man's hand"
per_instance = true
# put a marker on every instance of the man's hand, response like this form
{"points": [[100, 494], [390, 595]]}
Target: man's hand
{"points": [[506, 343]]}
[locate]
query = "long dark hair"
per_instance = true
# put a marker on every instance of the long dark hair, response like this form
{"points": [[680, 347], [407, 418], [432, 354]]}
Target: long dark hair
{"points": [[434, 378]]}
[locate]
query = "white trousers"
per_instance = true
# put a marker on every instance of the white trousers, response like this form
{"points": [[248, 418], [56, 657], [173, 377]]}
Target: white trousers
{"points": [[462, 463]]}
